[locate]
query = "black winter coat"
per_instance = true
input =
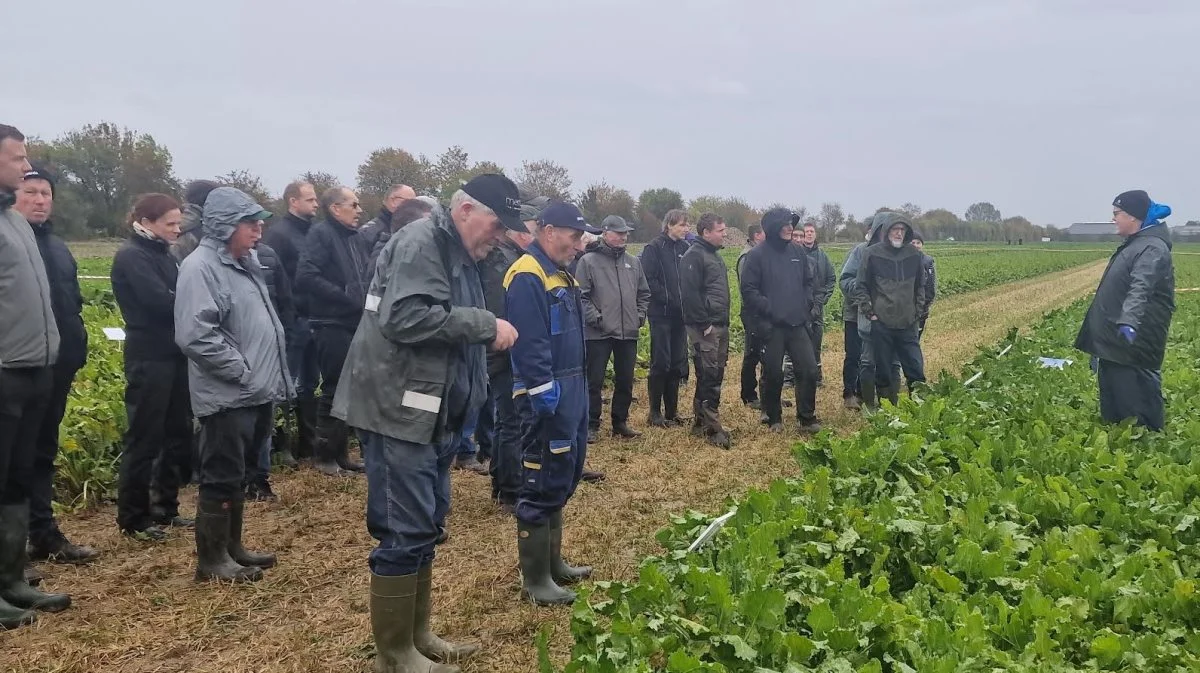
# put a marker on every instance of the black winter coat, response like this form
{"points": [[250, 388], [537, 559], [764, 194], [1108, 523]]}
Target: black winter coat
{"points": [[491, 274], [143, 275], [705, 284], [777, 284], [287, 238], [65, 297], [279, 286], [333, 276], [1137, 289], [660, 262]]}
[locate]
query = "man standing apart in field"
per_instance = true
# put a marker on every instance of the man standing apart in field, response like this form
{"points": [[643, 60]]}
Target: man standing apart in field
{"points": [[1125, 329], [414, 373], [550, 390], [28, 351]]}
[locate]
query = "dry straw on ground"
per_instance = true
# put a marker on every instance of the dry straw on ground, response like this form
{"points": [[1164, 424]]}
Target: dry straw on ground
{"points": [[137, 610]]}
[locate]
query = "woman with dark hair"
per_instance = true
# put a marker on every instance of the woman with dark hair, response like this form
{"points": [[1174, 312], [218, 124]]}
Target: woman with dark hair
{"points": [[158, 439]]}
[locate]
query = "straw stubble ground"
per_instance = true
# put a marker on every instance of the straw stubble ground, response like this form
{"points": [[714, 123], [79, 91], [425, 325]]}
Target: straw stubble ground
{"points": [[137, 610]]}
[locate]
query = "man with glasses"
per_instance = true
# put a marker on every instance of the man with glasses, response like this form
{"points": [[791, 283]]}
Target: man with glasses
{"points": [[332, 280]]}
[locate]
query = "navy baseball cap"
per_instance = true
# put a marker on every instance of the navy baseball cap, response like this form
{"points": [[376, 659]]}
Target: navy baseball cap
{"points": [[561, 214], [500, 194]]}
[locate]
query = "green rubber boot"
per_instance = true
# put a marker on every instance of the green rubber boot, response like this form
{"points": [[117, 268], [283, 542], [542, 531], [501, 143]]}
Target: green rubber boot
{"points": [[427, 643], [534, 549], [393, 619], [559, 570], [14, 590], [237, 512]]}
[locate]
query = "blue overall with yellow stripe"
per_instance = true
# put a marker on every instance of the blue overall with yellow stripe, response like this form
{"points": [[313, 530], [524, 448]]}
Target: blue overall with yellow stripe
{"points": [[542, 302]]}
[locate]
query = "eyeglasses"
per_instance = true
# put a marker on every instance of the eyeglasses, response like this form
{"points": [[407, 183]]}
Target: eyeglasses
{"points": [[349, 205]]}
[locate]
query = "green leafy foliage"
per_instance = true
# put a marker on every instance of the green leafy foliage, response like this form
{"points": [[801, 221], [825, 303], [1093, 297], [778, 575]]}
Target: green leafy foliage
{"points": [[996, 527]]}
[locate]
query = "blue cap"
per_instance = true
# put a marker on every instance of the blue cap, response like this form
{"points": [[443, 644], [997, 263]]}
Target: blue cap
{"points": [[561, 214]]}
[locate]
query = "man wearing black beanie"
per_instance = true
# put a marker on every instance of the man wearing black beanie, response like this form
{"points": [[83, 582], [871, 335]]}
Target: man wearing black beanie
{"points": [[1125, 329]]}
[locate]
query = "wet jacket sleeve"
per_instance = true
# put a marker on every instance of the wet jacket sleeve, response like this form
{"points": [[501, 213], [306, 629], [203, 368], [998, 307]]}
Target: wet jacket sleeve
{"points": [[528, 311], [1147, 269], [849, 275], [416, 303], [861, 293], [583, 274], [751, 287], [825, 291], [643, 295], [311, 276], [198, 318], [652, 267], [695, 296]]}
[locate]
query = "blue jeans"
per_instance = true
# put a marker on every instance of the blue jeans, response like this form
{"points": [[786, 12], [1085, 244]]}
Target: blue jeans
{"points": [[408, 498], [466, 439], [302, 360]]}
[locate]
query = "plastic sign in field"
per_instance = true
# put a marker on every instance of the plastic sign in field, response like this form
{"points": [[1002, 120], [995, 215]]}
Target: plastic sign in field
{"points": [[114, 333], [711, 531]]}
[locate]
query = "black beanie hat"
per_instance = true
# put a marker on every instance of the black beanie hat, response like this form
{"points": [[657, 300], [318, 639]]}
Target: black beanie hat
{"points": [[39, 173], [1135, 202]]}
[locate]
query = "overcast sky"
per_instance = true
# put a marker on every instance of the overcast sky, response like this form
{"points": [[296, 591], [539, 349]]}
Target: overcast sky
{"points": [[1046, 108]]}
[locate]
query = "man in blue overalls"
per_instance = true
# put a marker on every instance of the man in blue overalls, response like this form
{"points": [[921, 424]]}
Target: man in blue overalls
{"points": [[550, 393]]}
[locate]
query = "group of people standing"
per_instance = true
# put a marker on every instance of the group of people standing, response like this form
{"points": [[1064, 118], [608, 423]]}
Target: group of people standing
{"points": [[491, 318]]}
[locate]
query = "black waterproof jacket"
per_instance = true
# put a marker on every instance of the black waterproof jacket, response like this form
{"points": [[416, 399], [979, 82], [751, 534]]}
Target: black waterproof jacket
{"points": [[1137, 289], [660, 262], [332, 278], [65, 298], [144, 274], [287, 238], [705, 283], [777, 283]]}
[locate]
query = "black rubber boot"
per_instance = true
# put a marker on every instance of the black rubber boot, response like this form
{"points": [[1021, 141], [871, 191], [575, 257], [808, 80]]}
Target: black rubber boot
{"points": [[671, 400], [559, 570], [306, 427], [892, 392], [623, 430], [328, 450], [654, 383], [14, 590], [237, 512], [426, 642], [533, 547], [869, 401], [212, 545], [343, 457], [281, 444], [393, 620], [12, 617], [56, 548]]}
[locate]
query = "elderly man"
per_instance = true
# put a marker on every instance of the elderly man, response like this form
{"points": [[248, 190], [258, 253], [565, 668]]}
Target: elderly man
{"points": [[1125, 329], [414, 375], [889, 291], [332, 283], [35, 200], [615, 298], [705, 288], [227, 327], [543, 303], [28, 351]]}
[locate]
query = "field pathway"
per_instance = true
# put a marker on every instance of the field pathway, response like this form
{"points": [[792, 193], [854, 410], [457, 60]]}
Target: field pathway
{"points": [[137, 610]]}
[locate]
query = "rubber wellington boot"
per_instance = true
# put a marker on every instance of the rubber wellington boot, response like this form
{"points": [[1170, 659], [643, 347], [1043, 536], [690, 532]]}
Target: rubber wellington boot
{"points": [[326, 459], [869, 401], [426, 641], [237, 511], [393, 620], [306, 427], [533, 547], [212, 545], [559, 570], [671, 401], [891, 393], [14, 590]]}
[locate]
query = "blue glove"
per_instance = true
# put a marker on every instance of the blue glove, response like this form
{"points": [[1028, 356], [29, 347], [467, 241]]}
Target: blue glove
{"points": [[1128, 332], [545, 402]]}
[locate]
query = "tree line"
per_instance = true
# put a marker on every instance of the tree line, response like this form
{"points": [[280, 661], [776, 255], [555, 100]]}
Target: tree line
{"points": [[102, 167]]}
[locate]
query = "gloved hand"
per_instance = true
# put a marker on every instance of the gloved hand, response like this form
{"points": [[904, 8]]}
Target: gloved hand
{"points": [[1127, 332], [546, 402]]}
